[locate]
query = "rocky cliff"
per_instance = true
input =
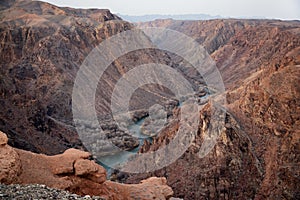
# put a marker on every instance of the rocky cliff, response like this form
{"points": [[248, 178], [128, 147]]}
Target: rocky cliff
{"points": [[256, 155], [42, 49], [242, 47]]}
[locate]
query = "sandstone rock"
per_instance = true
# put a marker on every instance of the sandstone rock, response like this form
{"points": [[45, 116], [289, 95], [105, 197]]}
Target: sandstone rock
{"points": [[3, 139], [83, 167], [90, 170], [74, 172], [64, 163], [10, 165], [152, 188], [166, 190]]}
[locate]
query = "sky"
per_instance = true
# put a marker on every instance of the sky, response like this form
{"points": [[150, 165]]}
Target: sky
{"points": [[273, 9]]}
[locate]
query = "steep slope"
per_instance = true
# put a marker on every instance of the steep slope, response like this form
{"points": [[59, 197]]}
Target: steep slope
{"points": [[268, 107], [42, 47], [256, 154], [242, 47]]}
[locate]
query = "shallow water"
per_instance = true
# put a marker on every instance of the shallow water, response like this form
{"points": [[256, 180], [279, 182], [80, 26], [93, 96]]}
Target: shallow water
{"points": [[111, 161]]}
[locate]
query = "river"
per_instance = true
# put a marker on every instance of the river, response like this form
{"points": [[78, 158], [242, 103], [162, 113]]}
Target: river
{"points": [[135, 130], [122, 157]]}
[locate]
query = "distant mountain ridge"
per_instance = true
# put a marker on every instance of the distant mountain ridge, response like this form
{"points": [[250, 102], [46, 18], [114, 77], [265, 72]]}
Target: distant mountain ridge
{"points": [[145, 18]]}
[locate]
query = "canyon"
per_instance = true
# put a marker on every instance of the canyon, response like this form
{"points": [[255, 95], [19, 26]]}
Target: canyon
{"points": [[256, 155], [257, 152]]}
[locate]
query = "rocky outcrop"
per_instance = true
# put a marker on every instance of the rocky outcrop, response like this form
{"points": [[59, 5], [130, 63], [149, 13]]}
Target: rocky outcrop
{"points": [[9, 162], [151, 188], [72, 171]]}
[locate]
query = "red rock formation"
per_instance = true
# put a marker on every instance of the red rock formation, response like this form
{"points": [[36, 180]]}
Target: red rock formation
{"points": [[222, 174], [268, 107], [256, 154], [74, 172], [42, 48], [242, 47], [41, 51]]}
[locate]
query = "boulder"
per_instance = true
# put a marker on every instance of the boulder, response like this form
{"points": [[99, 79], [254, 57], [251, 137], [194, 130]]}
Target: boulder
{"points": [[3, 139], [63, 163], [90, 170], [10, 165]]}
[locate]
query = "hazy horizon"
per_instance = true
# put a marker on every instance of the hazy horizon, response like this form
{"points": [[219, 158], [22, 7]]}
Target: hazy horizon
{"points": [[271, 9]]}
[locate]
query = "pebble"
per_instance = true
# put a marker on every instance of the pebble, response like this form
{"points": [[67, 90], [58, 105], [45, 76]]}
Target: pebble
{"points": [[37, 192]]}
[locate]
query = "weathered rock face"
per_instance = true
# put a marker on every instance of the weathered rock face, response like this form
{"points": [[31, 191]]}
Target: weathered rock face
{"points": [[249, 161], [268, 106], [242, 47], [72, 171], [41, 51], [222, 174], [256, 154], [42, 47]]}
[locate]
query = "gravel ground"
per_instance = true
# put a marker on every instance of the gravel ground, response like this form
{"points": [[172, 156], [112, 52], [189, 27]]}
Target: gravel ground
{"points": [[36, 192]]}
